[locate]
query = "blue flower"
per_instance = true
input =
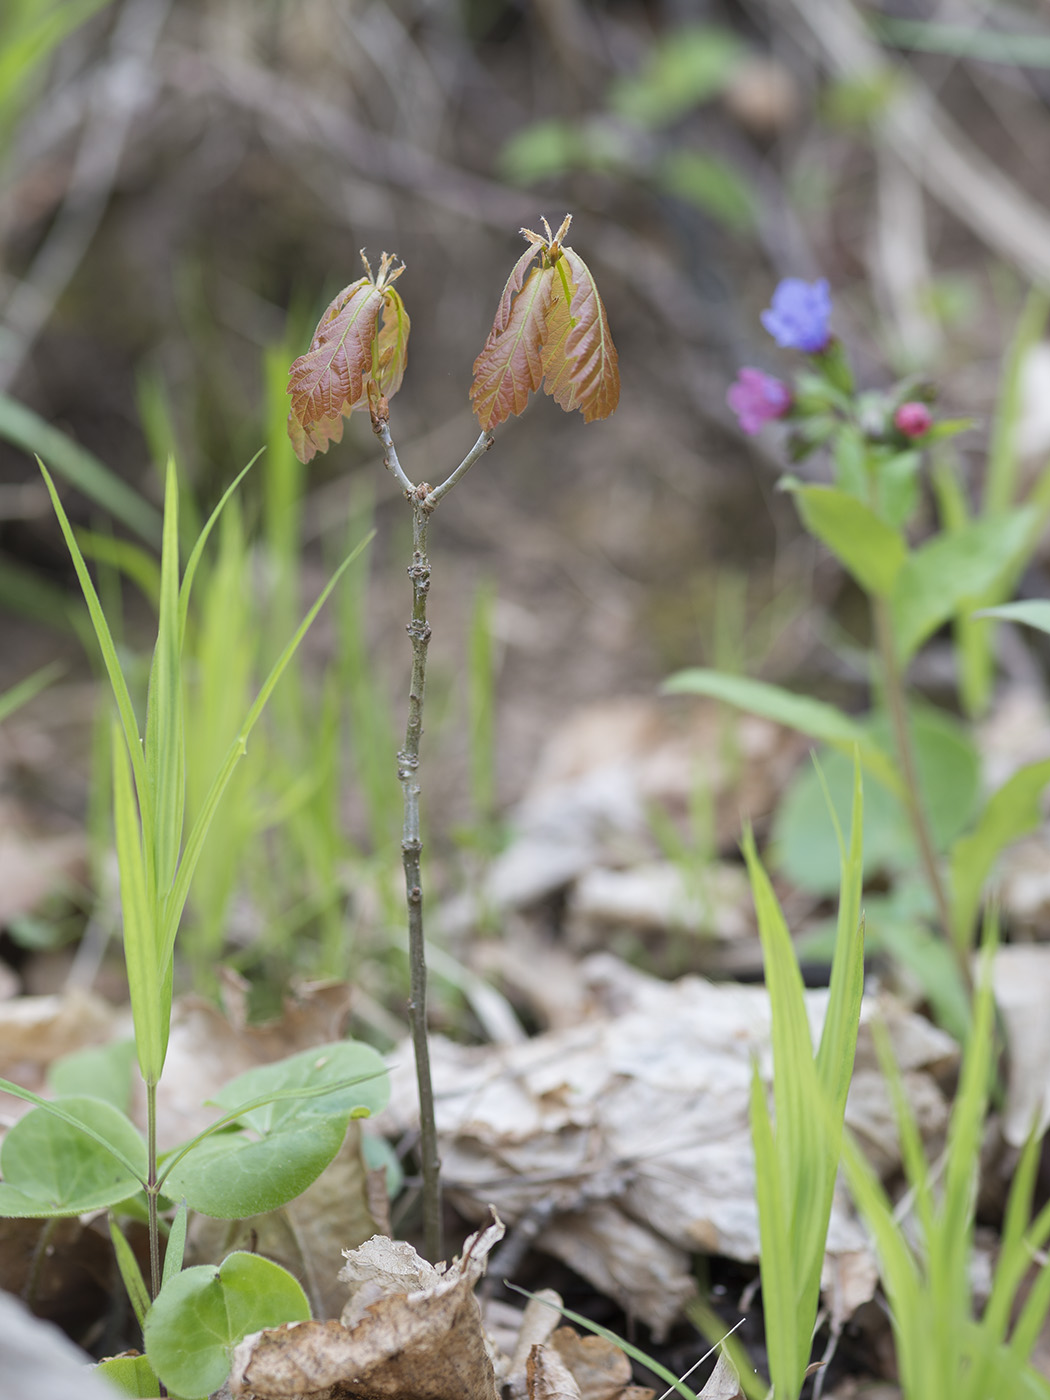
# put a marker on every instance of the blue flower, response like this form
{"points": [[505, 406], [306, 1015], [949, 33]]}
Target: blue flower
{"points": [[798, 317]]}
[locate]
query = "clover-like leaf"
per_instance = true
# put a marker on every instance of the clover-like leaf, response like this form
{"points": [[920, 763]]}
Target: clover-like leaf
{"points": [[361, 338]]}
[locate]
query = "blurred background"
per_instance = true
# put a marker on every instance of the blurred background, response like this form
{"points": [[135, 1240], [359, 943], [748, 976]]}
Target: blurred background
{"points": [[184, 185]]}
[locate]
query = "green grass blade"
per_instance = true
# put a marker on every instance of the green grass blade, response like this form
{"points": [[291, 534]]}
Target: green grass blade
{"points": [[198, 549], [138, 1293], [179, 893], [786, 1363], [27, 1095], [121, 695], [21, 426], [26, 689], [140, 932], [165, 760], [175, 1249], [838, 1040]]}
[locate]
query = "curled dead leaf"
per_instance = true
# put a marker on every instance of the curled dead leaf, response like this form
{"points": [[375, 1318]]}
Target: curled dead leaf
{"points": [[410, 1330]]}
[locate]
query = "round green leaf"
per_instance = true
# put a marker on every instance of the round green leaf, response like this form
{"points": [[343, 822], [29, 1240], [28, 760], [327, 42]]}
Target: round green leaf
{"points": [[131, 1375], [231, 1175], [51, 1168], [202, 1313]]}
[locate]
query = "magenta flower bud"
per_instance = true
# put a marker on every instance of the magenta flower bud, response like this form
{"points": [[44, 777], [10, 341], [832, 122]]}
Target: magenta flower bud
{"points": [[798, 316], [757, 398], [913, 419]]}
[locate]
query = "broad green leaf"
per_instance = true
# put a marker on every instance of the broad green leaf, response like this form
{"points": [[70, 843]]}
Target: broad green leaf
{"points": [[1032, 612], [103, 1071], [941, 575], [50, 1167], [231, 1176], [134, 1283], [203, 1312], [510, 366], [540, 150], [691, 64], [27, 430], [870, 550], [580, 364], [309, 1069], [949, 780], [813, 717], [132, 1375], [1010, 813], [712, 184]]}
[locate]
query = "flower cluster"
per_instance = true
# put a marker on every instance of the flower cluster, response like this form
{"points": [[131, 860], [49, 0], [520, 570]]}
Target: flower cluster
{"points": [[798, 318]]}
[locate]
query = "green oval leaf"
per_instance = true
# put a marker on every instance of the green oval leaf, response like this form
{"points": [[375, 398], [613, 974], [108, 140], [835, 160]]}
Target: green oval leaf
{"points": [[813, 717], [872, 551], [202, 1313], [1033, 612], [51, 1168]]}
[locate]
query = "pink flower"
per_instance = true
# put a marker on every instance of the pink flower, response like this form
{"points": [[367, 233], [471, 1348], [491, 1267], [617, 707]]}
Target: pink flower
{"points": [[757, 398], [913, 419]]}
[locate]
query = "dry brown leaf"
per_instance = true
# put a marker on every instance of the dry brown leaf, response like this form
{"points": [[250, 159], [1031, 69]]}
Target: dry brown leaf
{"points": [[410, 1330], [624, 1140], [548, 1377], [599, 1367], [723, 1383]]}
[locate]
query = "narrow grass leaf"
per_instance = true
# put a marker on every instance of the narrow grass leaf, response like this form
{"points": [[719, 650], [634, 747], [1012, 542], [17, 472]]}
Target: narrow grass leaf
{"points": [[26, 429], [149, 1012], [55, 1108], [777, 1261], [179, 892], [138, 1293], [117, 682], [193, 561], [175, 1248], [27, 689], [165, 760]]}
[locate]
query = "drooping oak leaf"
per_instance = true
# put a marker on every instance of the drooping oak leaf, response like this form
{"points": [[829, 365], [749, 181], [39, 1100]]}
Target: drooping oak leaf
{"points": [[510, 367], [580, 364], [362, 337], [551, 329]]}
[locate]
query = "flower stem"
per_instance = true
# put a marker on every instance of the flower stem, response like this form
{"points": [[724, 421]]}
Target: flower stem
{"points": [[895, 703]]}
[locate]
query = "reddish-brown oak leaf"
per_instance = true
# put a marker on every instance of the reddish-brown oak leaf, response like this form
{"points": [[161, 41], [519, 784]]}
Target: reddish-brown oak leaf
{"points": [[328, 381], [550, 329], [580, 364], [510, 367]]}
